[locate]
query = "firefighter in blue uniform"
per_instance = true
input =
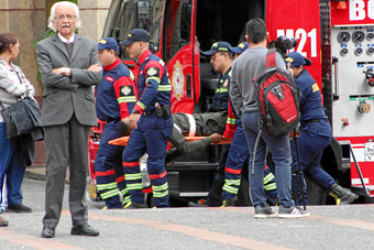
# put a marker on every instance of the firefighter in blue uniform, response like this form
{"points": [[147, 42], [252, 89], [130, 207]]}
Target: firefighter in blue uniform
{"points": [[221, 57], [218, 53], [152, 120], [114, 99], [315, 133]]}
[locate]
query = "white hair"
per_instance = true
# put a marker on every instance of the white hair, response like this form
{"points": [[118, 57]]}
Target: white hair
{"points": [[51, 23]]}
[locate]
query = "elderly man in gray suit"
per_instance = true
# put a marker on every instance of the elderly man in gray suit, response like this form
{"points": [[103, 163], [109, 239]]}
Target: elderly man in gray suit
{"points": [[69, 67]]}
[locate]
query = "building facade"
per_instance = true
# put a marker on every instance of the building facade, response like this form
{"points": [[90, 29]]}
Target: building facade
{"points": [[28, 19]]}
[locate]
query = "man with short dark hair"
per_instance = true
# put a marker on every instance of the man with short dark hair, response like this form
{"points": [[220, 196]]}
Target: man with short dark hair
{"points": [[152, 120], [245, 68], [115, 99]]}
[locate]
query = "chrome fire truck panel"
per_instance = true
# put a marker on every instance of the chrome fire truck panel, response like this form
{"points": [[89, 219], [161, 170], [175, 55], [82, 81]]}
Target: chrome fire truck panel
{"points": [[352, 52]]}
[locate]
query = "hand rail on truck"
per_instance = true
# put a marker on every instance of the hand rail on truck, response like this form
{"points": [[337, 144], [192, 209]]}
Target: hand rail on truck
{"points": [[358, 171]]}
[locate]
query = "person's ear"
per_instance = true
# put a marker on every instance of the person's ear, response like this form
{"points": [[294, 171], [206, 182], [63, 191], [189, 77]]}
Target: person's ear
{"points": [[247, 38]]}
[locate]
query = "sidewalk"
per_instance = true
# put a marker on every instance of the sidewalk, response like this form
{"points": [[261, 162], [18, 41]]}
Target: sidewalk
{"points": [[37, 172]]}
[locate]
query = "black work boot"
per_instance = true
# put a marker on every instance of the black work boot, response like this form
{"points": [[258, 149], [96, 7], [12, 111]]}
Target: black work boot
{"points": [[342, 196], [229, 202]]}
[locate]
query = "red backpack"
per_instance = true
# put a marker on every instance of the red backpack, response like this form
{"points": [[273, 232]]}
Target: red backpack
{"points": [[277, 97]]}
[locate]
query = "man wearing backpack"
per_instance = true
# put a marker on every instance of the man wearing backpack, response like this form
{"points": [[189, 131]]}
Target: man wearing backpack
{"points": [[245, 68], [315, 134]]}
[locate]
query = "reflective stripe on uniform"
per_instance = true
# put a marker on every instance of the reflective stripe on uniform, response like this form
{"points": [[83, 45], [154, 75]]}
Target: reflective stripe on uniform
{"points": [[230, 189], [232, 181], [134, 186], [222, 90], [231, 120], [109, 194], [107, 186], [164, 88], [157, 79], [126, 99], [269, 177], [141, 105], [269, 187], [160, 191], [133, 177]]}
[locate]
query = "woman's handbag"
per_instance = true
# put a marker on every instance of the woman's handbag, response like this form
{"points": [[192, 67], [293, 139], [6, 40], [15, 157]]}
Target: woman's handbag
{"points": [[21, 117]]}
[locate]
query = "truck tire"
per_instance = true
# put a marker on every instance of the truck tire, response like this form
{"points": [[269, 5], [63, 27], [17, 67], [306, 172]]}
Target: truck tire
{"points": [[244, 194], [316, 194]]}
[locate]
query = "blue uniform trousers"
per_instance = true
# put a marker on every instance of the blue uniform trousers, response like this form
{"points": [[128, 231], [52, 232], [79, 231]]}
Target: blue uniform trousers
{"points": [[279, 147], [108, 167], [150, 137], [10, 167], [215, 192], [238, 154], [314, 138]]}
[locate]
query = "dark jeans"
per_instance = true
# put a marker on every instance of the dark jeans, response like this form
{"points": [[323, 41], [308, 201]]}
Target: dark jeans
{"points": [[279, 147]]}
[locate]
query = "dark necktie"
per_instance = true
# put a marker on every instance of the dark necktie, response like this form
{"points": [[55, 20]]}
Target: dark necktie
{"points": [[69, 48]]}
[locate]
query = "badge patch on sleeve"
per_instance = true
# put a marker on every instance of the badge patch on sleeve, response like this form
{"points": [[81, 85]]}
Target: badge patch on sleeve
{"points": [[152, 71], [315, 87], [126, 90]]}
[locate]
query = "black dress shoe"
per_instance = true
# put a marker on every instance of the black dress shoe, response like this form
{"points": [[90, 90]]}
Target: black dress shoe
{"points": [[48, 232], [19, 208], [85, 230]]}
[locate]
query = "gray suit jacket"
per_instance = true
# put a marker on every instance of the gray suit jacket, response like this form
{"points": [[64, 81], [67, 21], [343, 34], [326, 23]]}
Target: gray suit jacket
{"points": [[64, 96]]}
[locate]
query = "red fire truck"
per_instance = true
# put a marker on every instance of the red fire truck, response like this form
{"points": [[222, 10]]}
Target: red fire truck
{"points": [[338, 36]]}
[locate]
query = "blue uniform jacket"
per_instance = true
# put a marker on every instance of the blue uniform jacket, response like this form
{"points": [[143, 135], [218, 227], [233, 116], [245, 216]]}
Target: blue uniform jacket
{"points": [[310, 101], [153, 84], [115, 94], [221, 98]]}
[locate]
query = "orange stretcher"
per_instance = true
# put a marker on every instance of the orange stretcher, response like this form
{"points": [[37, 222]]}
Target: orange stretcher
{"points": [[124, 140]]}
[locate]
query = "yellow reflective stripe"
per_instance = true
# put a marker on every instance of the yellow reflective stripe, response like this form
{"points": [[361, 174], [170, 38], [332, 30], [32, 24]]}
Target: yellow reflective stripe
{"points": [[157, 79], [230, 189], [109, 194], [270, 187], [139, 103], [222, 90], [164, 88], [126, 99], [231, 120], [134, 186], [132, 76], [160, 188], [126, 200], [111, 185], [269, 177], [160, 194], [132, 177], [232, 181], [124, 191]]}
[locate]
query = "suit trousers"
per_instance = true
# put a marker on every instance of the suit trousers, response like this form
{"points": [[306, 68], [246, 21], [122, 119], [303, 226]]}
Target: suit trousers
{"points": [[66, 145]]}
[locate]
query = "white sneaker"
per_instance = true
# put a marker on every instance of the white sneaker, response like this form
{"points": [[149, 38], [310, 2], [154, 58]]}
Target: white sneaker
{"points": [[292, 212]]}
